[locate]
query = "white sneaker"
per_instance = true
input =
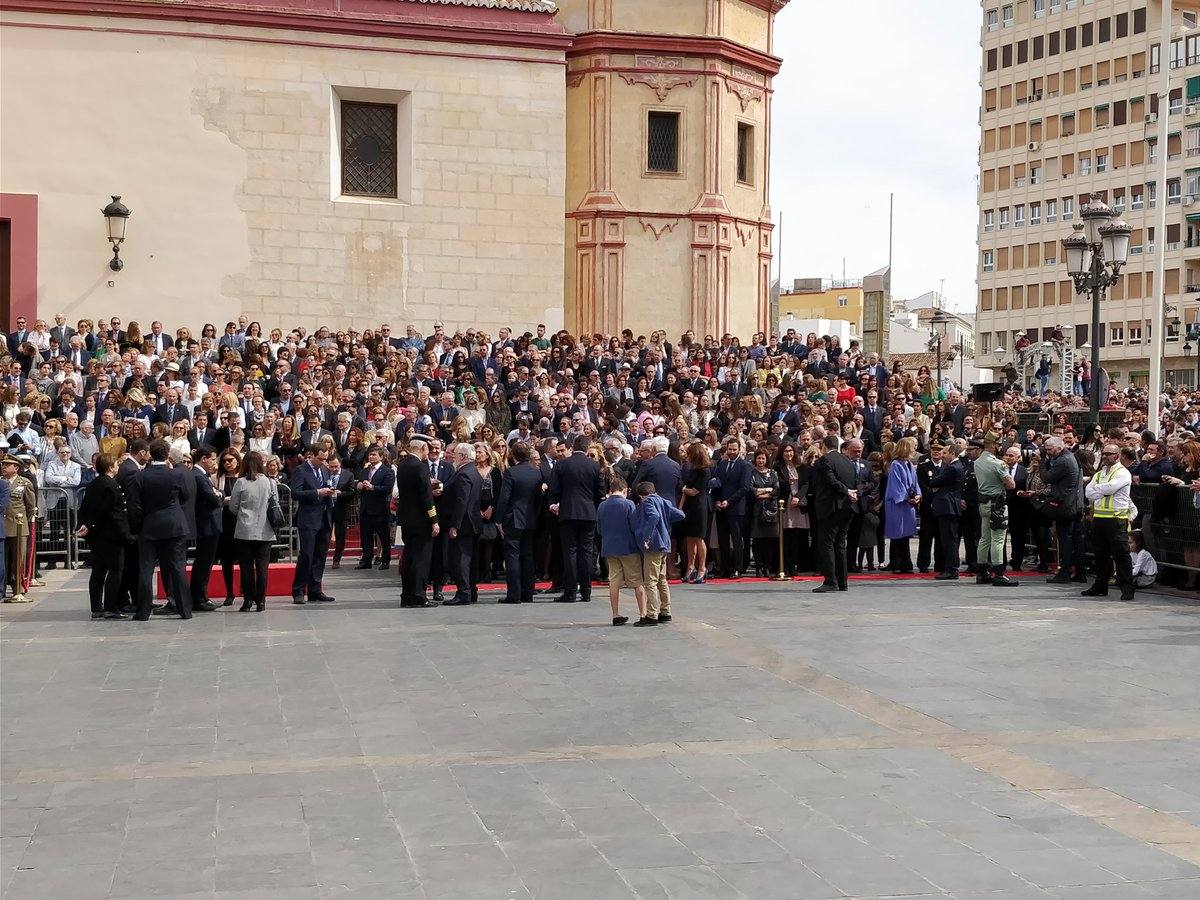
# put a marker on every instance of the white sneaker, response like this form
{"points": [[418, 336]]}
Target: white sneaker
{"points": [[37, 582], [17, 598]]}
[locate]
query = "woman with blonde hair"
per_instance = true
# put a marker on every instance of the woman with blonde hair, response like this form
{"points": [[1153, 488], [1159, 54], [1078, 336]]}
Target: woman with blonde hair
{"points": [[696, 511], [901, 498]]}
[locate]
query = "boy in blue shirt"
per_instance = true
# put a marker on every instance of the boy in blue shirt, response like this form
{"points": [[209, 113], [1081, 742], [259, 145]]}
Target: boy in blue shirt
{"points": [[652, 525], [614, 520]]}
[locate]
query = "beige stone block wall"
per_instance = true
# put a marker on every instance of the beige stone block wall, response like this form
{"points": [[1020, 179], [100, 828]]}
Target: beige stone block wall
{"points": [[223, 151]]}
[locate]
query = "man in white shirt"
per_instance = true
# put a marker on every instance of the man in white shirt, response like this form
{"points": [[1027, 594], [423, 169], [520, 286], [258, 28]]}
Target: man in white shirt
{"points": [[1108, 492]]}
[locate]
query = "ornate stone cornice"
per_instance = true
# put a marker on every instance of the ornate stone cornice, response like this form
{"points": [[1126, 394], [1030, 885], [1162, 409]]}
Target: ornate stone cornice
{"points": [[661, 83]]}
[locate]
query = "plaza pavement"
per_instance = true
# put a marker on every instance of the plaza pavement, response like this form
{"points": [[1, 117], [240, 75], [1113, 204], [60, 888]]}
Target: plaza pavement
{"points": [[903, 739]]}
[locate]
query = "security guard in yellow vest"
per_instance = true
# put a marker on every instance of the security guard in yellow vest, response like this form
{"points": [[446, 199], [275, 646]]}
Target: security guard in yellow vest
{"points": [[1108, 492]]}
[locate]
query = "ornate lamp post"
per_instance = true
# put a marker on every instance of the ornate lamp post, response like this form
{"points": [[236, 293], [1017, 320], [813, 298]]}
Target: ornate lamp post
{"points": [[1096, 252], [116, 216]]}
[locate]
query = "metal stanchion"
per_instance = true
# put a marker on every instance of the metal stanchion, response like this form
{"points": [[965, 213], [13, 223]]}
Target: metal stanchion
{"points": [[781, 576]]}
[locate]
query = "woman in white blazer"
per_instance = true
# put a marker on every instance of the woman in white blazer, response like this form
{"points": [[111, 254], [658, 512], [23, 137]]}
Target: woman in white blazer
{"points": [[253, 534]]}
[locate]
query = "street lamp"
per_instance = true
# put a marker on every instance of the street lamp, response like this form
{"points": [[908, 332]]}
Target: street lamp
{"points": [[1097, 250], [116, 216], [1193, 334], [935, 338]]}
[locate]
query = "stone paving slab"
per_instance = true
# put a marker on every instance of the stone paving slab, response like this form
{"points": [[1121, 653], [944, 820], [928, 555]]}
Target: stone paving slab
{"points": [[903, 739]]}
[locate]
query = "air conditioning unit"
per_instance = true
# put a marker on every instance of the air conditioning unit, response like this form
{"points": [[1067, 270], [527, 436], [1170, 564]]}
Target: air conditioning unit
{"points": [[1151, 118], [1034, 146], [1189, 110], [1189, 200]]}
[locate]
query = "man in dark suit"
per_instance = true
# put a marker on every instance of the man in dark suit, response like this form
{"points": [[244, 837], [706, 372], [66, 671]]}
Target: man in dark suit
{"points": [[1018, 506], [128, 469], [441, 470], [835, 482], [463, 524], [858, 508], [342, 481], [417, 519], [312, 432], [201, 435], [312, 492], [207, 526], [157, 498], [730, 487], [170, 410], [946, 486], [517, 514], [18, 336], [872, 414], [62, 331], [576, 489], [374, 517], [957, 411], [662, 471]]}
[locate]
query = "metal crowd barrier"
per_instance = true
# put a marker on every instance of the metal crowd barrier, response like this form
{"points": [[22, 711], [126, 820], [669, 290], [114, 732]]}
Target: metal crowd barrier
{"points": [[56, 541], [1170, 524]]}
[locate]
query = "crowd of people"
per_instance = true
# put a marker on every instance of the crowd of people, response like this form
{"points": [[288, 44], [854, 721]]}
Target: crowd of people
{"points": [[538, 456]]}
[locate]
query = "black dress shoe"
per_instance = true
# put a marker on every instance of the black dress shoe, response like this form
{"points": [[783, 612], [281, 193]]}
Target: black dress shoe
{"points": [[825, 589], [113, 615], [439, 597], [1004, 581], [364, 565], [418, 604], [946, 576], [335, 565], [620, 620], [564, 599], [228, 601], [383, 567], [507, 600], [1079, 579], [129, 609], [298, 599], [186, 615], [586, 599], [1060, 578], [141, 618], [644, 622], [1127, 595], [204, 606], [167, 609], [526, 599], [664, 617], [246, 606], [1094, 591], [322, 598], [97, 615], [457, 601]]}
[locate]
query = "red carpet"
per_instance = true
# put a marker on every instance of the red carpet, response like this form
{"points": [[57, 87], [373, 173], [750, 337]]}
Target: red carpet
{"points": [[279, 582]]}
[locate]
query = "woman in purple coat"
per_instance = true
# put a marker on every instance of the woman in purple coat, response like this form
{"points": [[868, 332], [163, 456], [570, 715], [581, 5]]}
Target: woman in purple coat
{"points": [[900, 501]]}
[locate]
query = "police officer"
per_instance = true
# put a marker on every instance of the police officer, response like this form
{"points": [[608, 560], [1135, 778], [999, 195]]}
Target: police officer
{"points": [[969, 522], [1108, 492], [928, 535], [946, 487]]}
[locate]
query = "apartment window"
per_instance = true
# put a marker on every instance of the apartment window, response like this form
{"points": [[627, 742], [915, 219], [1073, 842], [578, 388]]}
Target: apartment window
{"points": [[1153, 153], [993, 60], [662, 142], [1085, 34], [368, 149], [1135, 333], [1022, 52], [1137, 198], [1102, 162], [1039, 48], [1019, 216], [1120, 112], [1006, 56], [1174, 191], [1068, 124], [989, 219], [1139, 21], [1119, 202], [1116, 335], [1051, 210], [1152, 191], [745, 153], [1068, 39], [1035, 214], [843, 300], [985, 342], [1176, 102], [1105, 30], [1039, 9], [1085, 165], [1035, 174], [993, 19], [1054, 44], [1176, 54], [1003, 218], [1193, 185], [1068, 208], [1055, 5], [1006, 14], [989, 260], [1154, 58], [1122, 25]]}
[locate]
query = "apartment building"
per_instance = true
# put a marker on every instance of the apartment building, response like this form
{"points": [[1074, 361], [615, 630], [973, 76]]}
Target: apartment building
{"points": [[1070, 107]]}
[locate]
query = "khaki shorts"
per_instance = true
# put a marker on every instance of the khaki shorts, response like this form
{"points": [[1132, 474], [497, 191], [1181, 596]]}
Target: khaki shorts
{"points": [[625, 571]]}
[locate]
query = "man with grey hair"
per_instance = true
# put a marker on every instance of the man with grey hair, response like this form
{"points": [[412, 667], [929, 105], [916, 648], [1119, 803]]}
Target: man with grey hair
{"points": [[1060, 475], [463, 524], [660, 469]]}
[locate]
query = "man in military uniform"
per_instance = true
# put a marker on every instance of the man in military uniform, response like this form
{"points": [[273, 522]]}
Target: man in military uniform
{"points": [[417, 519], [22, 510], [928, 536], [992, 483]]}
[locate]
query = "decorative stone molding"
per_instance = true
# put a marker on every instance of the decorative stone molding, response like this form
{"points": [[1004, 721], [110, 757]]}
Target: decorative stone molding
{"points": [[660, 227], [747, 75], [661, 83], [658, 62], [744, 92], [745, 233], [574, 81]]}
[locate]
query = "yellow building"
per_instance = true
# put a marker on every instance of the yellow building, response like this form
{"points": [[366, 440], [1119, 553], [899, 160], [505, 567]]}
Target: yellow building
{"points": [[303, 162], [811, 298]]}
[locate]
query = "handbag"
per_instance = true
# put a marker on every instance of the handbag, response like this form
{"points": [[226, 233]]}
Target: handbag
{"points": [[1061, 510], [768, 512], [275, 517]]}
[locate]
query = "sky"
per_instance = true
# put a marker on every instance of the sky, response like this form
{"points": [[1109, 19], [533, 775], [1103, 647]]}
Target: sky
{"points": [[876, 97]]}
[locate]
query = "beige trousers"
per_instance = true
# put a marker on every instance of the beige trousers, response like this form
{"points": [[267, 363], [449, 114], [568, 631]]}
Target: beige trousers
{"points": [[658, 592]]}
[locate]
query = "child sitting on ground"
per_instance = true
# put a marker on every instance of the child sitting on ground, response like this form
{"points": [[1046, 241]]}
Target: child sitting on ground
{"points": [[1145, 567]]}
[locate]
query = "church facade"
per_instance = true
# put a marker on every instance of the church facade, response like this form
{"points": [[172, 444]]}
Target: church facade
{"points": [[594, 164]]}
